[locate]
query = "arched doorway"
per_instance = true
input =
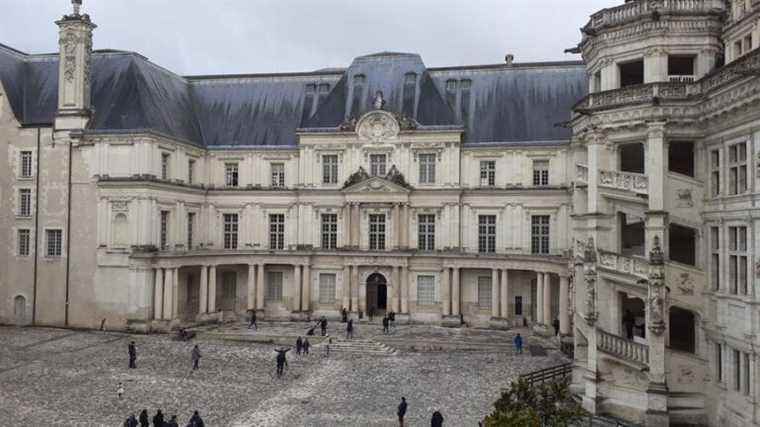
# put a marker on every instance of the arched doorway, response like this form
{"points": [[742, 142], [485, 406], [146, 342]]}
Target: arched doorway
{"points": [[377, 294], [19, 310]]}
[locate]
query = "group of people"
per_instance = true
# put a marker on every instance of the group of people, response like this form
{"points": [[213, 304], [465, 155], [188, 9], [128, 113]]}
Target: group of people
{"points": [[302, 346], [195, 357], [389, 322], [158, 420], [435, 421]]}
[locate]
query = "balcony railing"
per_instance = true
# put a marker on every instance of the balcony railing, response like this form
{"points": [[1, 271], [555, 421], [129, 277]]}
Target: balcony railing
{"points": [[628, 181], [635, 10], [581, 173], [622, 348], [638, 267], [681, 79]]}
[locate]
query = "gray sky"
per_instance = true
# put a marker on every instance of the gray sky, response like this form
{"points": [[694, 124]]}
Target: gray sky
{"points": [[250, 36]]}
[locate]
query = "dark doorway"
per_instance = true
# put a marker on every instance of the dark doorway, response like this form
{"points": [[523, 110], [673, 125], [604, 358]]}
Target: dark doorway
{"points": [[632, 158], [682, 330], [681, 157], [683, 244], [631, 235], [632, 317], [631, 73], [377, 294]]}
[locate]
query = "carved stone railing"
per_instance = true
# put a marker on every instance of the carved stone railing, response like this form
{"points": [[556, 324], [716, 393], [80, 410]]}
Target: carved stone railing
{"points": [[581, 173], [742, 67], [634, 266], [639, 94], [622, 348], [628, 181], [635, 10]]}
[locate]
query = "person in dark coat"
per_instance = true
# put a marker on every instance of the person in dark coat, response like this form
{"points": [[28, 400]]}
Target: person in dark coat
{"points": [[344, 315], [628, 322], [196, 357], [252, 322], [437, 420], [518, 342], [386, 323], [172, 422], [195, 420], [144, 420], [323, 325], [282, 360], [350, 329], [555, 324], [306, 346], [401, 412], [132, 355], [131, 421], [158, 419], [299, 346]]}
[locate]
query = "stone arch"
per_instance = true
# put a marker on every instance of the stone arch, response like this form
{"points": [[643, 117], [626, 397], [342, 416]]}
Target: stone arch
{"points": [[19, 310], [120, 227]]}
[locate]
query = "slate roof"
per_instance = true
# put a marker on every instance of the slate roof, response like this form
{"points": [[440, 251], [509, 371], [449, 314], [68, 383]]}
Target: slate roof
{"points": [[521, 103]]}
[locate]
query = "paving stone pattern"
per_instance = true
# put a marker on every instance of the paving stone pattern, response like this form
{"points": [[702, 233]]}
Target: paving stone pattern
{"points": [[62, 377]]}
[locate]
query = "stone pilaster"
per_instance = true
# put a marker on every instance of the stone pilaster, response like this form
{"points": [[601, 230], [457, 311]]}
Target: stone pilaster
{"points": [[212, 289], [306, 292], [203, 308], [74, 82], [656, 312], [251, 291], [158, 295], [260, 287], [296, 289]]}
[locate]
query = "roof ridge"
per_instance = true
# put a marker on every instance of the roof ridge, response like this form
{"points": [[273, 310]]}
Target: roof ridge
{"points": [[536, 64], [13, 50]]}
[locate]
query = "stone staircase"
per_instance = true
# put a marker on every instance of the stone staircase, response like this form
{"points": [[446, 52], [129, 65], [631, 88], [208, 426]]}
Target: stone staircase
{"points": [[359, 347]]}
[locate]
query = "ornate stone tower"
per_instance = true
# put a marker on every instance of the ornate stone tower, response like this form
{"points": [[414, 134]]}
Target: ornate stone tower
{"points": [[75, 40]]}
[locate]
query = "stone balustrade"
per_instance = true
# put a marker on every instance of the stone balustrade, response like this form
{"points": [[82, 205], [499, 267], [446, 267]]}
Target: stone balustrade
{"points": [[628, 181], [638, 267], [622, 348], [635, 10], [581, 173]]}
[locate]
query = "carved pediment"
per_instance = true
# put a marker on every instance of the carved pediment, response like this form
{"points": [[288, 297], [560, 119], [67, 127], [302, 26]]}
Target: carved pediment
{"points": [[376, 184], [392, 181]]}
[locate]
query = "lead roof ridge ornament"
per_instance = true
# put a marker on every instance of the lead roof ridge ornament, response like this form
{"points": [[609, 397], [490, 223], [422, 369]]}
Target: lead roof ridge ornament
{"points": [[77, 6]]}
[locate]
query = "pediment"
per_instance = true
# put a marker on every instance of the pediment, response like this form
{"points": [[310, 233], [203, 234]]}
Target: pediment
{"points": [[376, 184]]}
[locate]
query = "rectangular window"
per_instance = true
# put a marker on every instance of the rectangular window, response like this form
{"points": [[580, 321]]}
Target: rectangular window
{"points": [[518, 306], [540, 172], [277, 231], [715, 257], [330, 169], [747, 386], [425, 290], [426, 232], [190, 227], [230, 231], [165, 166], [191, 171], [25, 202], [164, 234], [329, 231], [484, 292], [737, 370], [54, 242], [719, 362], [737, 259], [377, 164], [326, 288], [26, 164], [487, 234], [539, 234], [377, 232], [231, 174], [274, 286], [278, 175], [23, 242], [737, 168], [715, 172], [487, 173], [427, 168]]}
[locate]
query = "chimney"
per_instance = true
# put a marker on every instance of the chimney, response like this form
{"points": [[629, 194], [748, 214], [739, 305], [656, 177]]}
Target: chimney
{"points": [[75, 43], [509, 58]]}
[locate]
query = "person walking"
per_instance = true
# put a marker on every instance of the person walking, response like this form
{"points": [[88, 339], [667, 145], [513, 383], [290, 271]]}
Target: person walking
{"points": [[299, 346], [306, 346], [327, 347], [158, 419], [555, 324], [518, 342], [436, 420], [196, 357], [401, 412], [144, 421], [132, 350], [282, 361], [172, 422], [252, 322], [392, 320], [195, 420], [343, 315], [131, 421], [350, 329], [323, 325], [386, 323], [120, 390]]}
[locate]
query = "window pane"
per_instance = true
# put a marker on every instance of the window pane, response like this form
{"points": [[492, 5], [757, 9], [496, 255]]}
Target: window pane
{"points": [[427, 168], [425, 290], [377, 164], [277, 231], [26, 164], [326, 288], [23, 242], [164, 234], [329, 231], [190, 228], [377, 232], [54, 242], [274, 286], [278, 175], [231, 174], [426, 233], [230, 231], [484, 292], [330, 169]]}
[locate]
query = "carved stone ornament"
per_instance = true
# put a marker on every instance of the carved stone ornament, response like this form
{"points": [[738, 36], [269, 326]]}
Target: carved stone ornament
{"points": [[589, 254], [397, 177], [591, 313], [686, 284], [120, 206], [657, 301], [377, 126], [359, 176], [684, 198], [379, 102], [69, 44], [757, 268], [656, 256]]}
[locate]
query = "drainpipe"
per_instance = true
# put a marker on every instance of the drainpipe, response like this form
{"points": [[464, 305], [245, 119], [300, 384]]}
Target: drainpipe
{"points": [[68, 236], [36, 227]]}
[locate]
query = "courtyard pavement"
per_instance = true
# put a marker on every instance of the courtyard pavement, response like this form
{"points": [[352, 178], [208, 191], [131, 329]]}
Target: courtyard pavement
{"points": [[62, 377]]}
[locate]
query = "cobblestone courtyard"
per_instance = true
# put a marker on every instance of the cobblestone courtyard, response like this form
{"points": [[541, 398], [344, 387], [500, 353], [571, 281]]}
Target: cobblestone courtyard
{"points": [[62, 377]]}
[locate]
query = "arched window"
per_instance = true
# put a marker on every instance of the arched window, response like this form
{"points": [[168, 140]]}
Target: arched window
{"points": [[682, 330], [120, 230]]}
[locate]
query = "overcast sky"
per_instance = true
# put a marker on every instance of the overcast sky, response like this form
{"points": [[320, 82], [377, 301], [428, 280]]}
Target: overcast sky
{"points": [[192, 37]]}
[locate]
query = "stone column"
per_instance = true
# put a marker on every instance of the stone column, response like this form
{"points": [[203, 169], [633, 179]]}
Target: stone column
{"points": [[504, 294], [455, 292], [397, 226], [355, 288], [446, 292], [306, 295], [251, 304], [404, 290], [296, 304], [212, 289], [175, 294], [203, 308], [547, 296], [158, 295], [494, 292], [657, 156], [168, 296], [260, 287], [564, 317], [396, 288], [539, 300], [656, 321], [346, 287]]}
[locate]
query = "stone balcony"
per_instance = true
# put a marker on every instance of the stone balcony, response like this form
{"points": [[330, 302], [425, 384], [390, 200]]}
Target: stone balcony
{"points": [[634, 266], [626, 181], [633, 11], [629, 351]]}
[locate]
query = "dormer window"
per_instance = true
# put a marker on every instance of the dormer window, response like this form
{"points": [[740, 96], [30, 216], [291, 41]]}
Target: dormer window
{"points": [[410, 93], [464, 100], [359, 87], [308, 101], [451, 93]]}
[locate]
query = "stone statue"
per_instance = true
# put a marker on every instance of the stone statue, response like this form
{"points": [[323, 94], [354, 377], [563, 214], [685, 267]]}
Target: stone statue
{"points": [[379, 102], [356, 177], [656, 257], [396, 177], [77, 4]]}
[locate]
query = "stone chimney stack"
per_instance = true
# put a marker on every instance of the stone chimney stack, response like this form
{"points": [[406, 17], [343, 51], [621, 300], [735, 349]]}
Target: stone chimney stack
{"points": [[75, 41]]}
